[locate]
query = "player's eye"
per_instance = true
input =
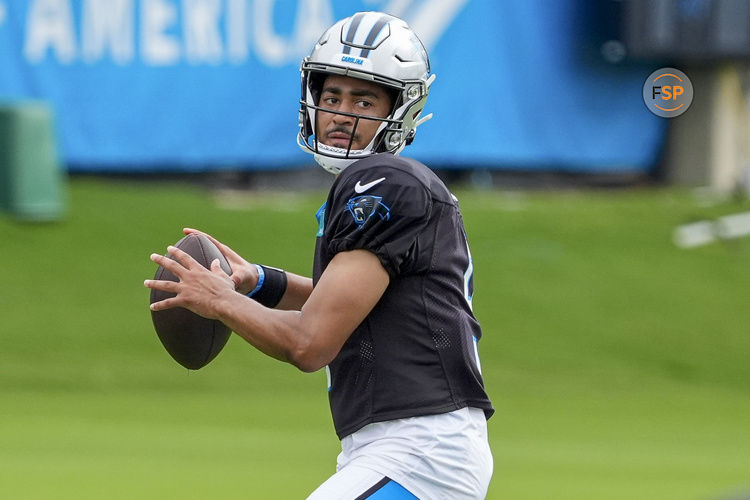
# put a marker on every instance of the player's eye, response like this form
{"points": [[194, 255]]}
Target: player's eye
{"points": [[329, 100]]}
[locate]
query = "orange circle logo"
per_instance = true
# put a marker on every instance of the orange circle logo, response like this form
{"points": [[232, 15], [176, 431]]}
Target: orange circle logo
{"points": [[668, 92]]}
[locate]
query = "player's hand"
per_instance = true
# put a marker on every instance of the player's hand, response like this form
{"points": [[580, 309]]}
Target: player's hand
{"points": [[200, 290], [244, 274]]}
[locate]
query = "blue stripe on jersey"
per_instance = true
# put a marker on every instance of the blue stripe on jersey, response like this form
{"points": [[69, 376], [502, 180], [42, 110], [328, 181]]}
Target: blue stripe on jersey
{"points": [[321, 215], [390, 491]]}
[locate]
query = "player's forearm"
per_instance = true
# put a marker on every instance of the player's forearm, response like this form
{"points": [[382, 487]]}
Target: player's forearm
{"points": [[298, 290], [276, 333]]}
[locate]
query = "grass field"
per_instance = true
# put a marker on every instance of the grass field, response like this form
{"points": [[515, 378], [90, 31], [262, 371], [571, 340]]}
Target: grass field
{"points": [[618, 363]]}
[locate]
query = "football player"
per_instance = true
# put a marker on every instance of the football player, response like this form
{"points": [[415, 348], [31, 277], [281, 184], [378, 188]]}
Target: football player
{"points": [[388, 311]]}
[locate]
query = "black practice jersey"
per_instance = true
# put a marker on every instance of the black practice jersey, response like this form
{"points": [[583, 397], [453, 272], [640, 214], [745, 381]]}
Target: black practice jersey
{"points": [[415, 353]]}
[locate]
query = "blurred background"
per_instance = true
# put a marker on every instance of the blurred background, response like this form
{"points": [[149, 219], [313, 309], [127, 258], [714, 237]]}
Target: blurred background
{"points": [[610, 244]]}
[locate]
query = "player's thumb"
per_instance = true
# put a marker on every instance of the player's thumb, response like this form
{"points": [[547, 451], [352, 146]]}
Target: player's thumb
{"points": [[216, 267]]}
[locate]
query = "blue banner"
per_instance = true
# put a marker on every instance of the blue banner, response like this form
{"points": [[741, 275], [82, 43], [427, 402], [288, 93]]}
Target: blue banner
{"points": [[194, 85]]}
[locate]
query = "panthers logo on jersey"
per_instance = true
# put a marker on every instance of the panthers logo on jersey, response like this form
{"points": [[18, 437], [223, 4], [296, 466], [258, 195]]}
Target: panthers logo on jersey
{"points": [[364, 207]]}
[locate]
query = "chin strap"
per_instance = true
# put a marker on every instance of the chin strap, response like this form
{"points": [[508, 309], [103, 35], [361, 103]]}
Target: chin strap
{"points": [[333, 165], [335, 161]]}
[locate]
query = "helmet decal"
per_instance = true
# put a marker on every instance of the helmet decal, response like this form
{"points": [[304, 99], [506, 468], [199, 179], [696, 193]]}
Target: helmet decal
{"points": [[353, 26], [364, 42]]}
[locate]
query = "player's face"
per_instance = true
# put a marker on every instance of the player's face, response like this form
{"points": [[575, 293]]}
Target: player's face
{"points": [[350, 95]]}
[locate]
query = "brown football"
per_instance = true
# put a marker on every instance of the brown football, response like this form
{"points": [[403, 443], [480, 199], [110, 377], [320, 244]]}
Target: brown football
{"points": [[192, 340]]}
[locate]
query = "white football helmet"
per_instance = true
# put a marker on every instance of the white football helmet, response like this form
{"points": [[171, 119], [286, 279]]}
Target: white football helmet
{"points": [[378, 48]]}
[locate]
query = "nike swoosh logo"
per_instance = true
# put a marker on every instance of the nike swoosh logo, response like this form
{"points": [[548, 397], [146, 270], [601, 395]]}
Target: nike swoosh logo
{"points": [[361, 188]]}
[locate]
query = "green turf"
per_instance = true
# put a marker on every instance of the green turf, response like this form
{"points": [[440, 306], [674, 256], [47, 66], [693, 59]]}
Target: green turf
{"points": [[617, 362]]}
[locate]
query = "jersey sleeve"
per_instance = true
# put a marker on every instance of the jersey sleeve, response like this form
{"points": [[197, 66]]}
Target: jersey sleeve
{"points": [[385, 219]]}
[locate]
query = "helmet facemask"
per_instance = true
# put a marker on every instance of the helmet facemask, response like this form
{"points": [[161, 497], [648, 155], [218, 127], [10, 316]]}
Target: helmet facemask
{"points": [[309, 127], [405, 81]]}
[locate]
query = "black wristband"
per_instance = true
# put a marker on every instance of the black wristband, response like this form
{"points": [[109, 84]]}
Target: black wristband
{"points": [[274, 287]]}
